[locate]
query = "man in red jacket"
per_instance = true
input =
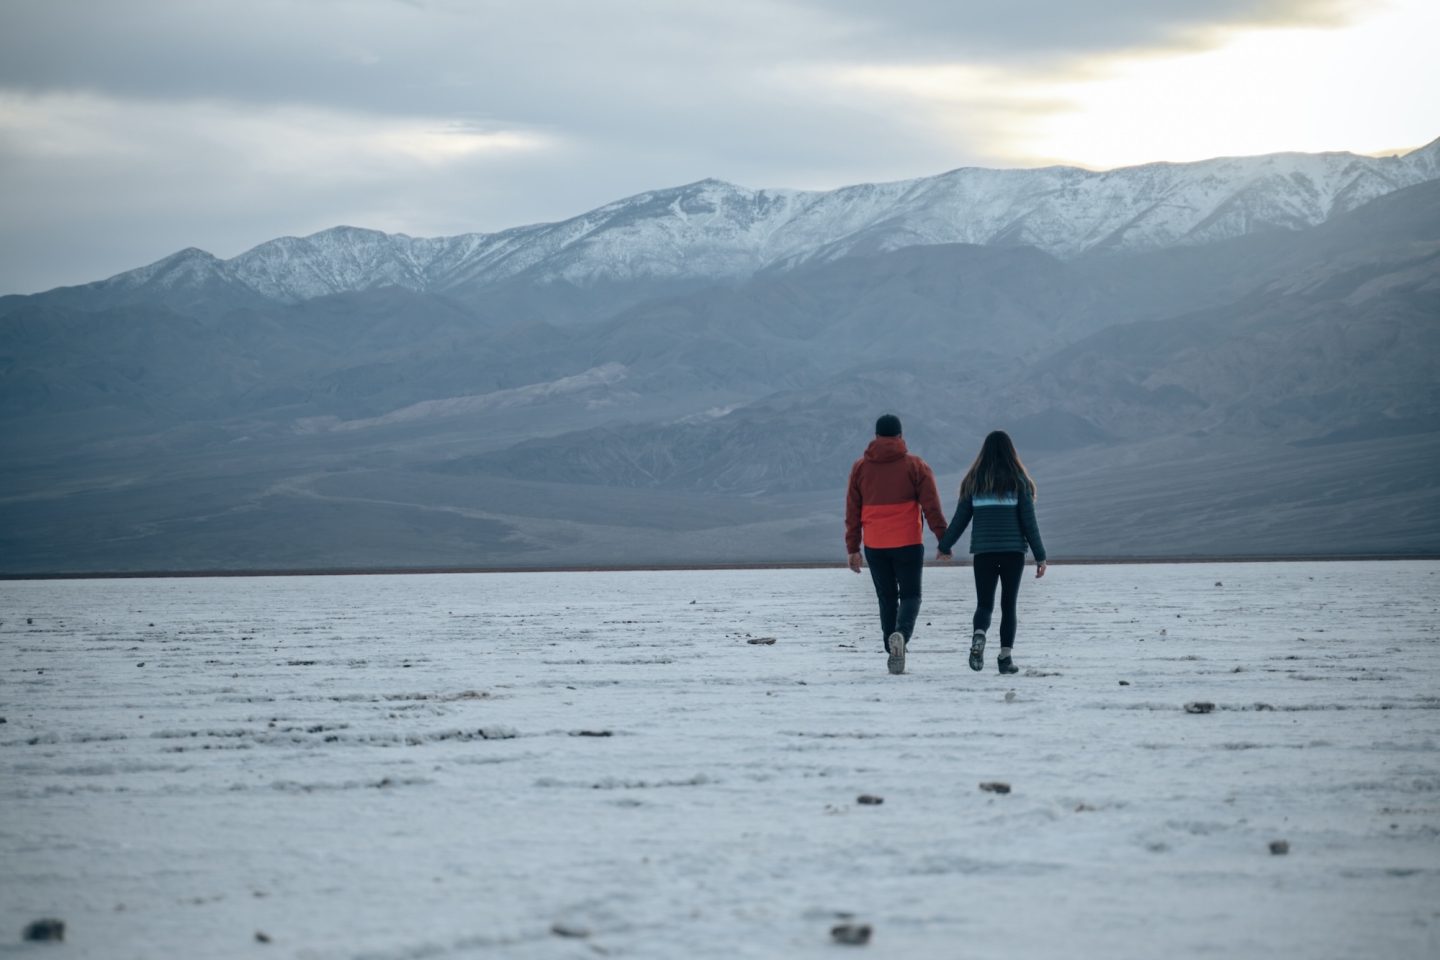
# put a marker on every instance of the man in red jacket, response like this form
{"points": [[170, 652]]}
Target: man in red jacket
{"points": [[890, 489]]}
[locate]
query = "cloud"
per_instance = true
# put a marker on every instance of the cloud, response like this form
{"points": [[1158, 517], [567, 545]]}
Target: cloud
{"points": [[129, 130], [1030, 31]]}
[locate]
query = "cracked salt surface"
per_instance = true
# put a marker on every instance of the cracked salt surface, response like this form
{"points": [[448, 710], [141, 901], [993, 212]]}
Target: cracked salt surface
{"points": [[562, 765]]}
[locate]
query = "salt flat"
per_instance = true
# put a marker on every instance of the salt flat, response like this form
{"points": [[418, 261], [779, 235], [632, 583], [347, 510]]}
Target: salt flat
{"points": [[450, 766]]}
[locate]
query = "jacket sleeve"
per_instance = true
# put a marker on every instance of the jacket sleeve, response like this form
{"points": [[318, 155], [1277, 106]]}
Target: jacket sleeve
{"points": [[1028, 526], [852, 511], [929, 499], [958, 523]]}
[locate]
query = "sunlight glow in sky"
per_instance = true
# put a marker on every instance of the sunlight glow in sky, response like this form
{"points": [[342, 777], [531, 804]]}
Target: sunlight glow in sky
{"points": [[1367, 88], [1372, 86]]}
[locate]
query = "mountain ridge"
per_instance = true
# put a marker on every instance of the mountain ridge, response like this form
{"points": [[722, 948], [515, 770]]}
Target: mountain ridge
{"points": [[714, 230]]}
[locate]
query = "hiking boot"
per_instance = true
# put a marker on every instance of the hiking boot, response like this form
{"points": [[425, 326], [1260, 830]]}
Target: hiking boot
{"points": [[895, 646], [977, 650], [1004, 663]]}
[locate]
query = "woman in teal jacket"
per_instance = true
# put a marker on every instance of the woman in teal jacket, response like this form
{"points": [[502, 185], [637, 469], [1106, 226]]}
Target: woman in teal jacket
{"points": [[998, 494]]}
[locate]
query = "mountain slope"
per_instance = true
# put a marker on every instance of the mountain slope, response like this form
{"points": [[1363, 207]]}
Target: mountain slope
{"points": [[1271, 392], [1337, 334]]}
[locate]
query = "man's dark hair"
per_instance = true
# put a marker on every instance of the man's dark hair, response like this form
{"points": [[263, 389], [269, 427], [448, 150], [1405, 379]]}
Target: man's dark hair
{"points": [[887, 426]]}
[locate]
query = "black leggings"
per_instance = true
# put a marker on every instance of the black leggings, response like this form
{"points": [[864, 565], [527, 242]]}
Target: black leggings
{"points": [[1007, 568], [896, 572]]}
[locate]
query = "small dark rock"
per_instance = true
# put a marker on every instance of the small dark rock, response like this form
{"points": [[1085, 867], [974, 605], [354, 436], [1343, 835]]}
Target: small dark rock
{"points": [[1124, 683], [995, 786], [1264, 706], [32, 620], [869, 799], [261, 936], [1199, 706], [48, 929], [140, 664], [1279, 847], [767, 641], [854, 934], [1219, 584], [593, 733], [562, 929]]}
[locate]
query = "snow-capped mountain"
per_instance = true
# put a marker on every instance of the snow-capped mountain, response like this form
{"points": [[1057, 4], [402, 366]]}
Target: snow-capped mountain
{"points": [[716, 230]]}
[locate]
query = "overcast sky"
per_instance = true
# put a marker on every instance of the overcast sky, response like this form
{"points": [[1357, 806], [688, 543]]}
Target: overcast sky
{"points": [[132, 128]]}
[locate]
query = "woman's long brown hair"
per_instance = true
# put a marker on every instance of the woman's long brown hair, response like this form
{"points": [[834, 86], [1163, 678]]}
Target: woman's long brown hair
{"points": [[997, 469]]}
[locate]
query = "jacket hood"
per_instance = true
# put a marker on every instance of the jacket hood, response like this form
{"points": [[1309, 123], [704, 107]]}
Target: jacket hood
{"points": [[886, 449]]}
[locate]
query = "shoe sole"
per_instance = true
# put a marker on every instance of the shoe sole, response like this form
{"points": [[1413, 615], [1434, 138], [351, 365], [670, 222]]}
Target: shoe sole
{"points": [[977, 654], [896, 646]]}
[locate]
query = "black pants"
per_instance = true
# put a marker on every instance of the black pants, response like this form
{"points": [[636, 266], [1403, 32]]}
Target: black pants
{"points": [[896, 572], [1008, 569]]}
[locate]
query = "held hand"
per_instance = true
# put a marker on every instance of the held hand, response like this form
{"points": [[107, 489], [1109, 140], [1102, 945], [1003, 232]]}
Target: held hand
{"points": [[855, 562], [1040, 569], [943, 557]]}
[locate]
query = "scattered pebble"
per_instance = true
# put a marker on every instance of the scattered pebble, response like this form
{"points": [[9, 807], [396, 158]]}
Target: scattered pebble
{"points": [[140, 664], [1264, 706], [1279, 847], [562, 929], [47, 929], [32, 620], [767, 641], [1009, 696], [854, 934], [1124, 683], [869, 799], [995, 786], [261, 936], [592, 733], [1199, 706], [1219, 584]]}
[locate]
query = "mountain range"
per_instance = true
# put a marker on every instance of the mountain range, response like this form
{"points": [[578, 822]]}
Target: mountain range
{"points": [[1238, 356]]}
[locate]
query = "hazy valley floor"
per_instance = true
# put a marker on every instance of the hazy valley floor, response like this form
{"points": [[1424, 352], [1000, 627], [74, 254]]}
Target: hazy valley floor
{"points": [[400, 767]]}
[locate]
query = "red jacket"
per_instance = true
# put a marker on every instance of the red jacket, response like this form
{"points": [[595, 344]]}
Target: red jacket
{"points": [[889, 488]]}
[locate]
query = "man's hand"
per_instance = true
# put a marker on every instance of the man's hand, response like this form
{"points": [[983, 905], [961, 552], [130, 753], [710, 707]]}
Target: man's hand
{"points": [[1040, 569], [943, 557], [855, 562]]}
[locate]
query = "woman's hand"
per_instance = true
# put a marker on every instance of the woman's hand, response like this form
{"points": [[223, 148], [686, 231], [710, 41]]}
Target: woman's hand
{"points": [[855, 562], [1040, 569], [942, 557]]}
